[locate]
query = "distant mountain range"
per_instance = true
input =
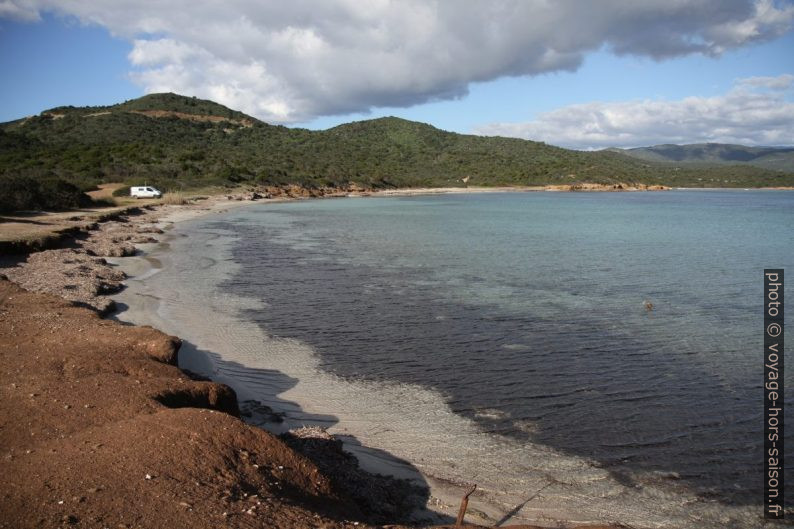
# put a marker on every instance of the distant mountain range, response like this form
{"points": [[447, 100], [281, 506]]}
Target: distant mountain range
{"points": [[775, 158], [177, 142]]}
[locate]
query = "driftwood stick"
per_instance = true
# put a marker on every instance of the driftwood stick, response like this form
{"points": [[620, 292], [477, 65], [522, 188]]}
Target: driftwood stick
{"points": [[464, 504]]}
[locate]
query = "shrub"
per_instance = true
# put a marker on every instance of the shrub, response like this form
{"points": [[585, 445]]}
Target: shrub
{"points": [[122, 192], [19, 193]]}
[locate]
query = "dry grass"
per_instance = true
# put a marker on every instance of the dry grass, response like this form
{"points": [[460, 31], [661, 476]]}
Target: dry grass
{"points": [[104, 191], [175, 198], [41, 225]]}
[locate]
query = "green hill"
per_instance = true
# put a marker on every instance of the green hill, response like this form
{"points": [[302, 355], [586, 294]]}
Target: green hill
{"points": [[775, 158], [177, 142]]}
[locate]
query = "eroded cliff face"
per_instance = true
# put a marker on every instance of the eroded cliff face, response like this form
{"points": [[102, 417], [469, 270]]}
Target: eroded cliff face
{"points": [[100, 428]]}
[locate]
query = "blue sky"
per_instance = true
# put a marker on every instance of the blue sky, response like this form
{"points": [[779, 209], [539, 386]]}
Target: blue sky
{"points": [[577, 92], [59, 61]]}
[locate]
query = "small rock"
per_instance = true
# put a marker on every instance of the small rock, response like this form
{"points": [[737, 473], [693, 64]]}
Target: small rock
{"points": [[148, 476]]}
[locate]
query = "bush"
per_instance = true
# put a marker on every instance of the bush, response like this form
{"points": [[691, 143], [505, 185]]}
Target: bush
{"points": [[122, 192], [20, 193]]}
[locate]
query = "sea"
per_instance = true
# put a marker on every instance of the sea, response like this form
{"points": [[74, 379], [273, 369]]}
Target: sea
{"points": [[589, 357]]}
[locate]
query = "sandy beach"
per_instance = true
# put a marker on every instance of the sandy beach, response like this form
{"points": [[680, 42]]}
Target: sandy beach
{"points": [[79, 279]]}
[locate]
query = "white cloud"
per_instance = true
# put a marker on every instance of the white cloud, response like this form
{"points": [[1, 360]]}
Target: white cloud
{"points": [[780, 82], [293, 61], [18, 10], [151, 53], [754, 112]]}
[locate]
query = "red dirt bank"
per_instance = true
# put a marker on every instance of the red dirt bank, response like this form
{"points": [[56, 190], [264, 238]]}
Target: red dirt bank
{"points": [[88, 441]]}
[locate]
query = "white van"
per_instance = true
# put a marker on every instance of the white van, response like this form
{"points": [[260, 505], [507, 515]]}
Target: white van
{"points": [[145, 192]]}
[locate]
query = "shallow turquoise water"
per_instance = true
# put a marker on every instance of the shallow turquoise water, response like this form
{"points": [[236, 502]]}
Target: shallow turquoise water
{"points": [[526, 311]]}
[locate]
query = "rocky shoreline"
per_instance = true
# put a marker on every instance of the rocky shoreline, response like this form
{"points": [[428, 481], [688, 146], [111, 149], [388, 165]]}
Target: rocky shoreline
{"points": [[101, 429], [78, 271]]}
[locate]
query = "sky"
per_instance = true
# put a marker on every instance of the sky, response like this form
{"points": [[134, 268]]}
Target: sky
{"points": [[573, 73]]}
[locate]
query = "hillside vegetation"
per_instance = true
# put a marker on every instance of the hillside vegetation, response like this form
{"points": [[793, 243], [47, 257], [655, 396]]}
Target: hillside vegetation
{"points": [[177, 142], [700, 154]]}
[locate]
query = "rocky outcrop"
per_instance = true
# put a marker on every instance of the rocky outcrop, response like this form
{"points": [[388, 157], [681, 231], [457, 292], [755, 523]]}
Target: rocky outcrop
{"points": [[620, 186]]}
